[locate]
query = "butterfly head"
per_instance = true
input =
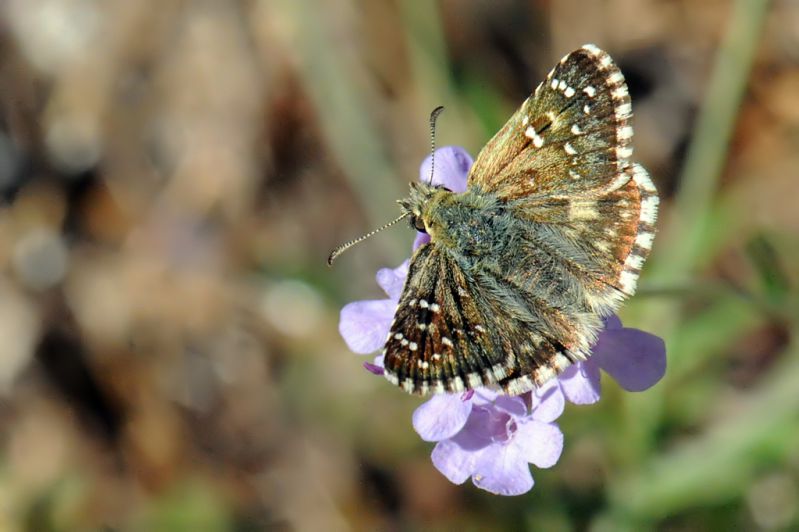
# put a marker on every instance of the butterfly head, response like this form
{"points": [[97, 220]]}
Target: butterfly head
{"points": [[420, 205]]}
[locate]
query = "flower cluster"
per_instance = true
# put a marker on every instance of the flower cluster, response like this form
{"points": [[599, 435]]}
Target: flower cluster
{"points": [[482, 434]]}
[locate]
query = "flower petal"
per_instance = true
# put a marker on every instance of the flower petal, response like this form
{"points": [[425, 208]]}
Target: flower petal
{"points": [[538, 443], [454, 462], [612, 322], [420, 240], [580, 382], [364, 325], [548, 402], [391, 280], [441, 417], [634, 358], [513, 405], [452, 167], [373, 368], [485, 396], [502, 470], [481, 428]]}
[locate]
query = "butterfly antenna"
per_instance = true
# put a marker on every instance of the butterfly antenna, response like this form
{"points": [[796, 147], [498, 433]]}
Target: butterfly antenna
{"points": [[344, 247], [433, 117]]}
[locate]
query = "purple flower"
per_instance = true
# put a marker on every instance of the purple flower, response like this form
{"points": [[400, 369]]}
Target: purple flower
{"points": [[635, 359], [492, 438], [482, 434], [365, 324]]}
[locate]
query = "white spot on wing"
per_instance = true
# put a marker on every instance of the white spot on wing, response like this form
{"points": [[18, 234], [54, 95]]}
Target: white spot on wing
{"points": [[628, 281], [520, 385], [644, 240], [499, 372], [642, 178], [583, 210], [474, 380], [624, 152], [625, 133], [649, 209], [530, 133], [592, 48], [619, 93], [542, 374], [634, 261]]}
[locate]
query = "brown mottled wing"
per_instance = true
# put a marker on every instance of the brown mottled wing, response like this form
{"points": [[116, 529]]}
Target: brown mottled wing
{"points": [[562, 166], [583, 223], [454, 331], [440, 339], [613, 230], [602, 244], [571, 135]]}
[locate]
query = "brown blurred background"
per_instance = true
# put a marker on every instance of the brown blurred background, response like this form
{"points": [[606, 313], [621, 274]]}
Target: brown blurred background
{"points": [[174, 173]]}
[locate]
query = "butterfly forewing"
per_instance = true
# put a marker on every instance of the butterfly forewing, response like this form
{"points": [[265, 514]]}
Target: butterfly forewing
{"points": [[571, 136], [440, 339]]}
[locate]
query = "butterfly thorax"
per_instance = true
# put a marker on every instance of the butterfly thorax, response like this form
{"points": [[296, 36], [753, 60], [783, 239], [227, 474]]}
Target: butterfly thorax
{"points": [[471, 224]]}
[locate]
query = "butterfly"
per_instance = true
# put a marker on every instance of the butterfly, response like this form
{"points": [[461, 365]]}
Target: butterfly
{"points": [[548, 239]]}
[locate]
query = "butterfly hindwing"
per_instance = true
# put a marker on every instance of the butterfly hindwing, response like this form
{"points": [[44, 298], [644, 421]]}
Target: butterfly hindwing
{"points": [[605, 237], [570, 136]]}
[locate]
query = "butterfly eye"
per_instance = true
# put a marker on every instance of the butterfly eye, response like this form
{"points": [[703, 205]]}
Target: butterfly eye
{"points": [[418, 224]]}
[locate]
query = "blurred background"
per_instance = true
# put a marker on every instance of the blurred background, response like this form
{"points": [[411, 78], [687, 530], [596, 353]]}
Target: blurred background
{"points": [[173, 174]]}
